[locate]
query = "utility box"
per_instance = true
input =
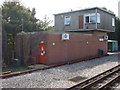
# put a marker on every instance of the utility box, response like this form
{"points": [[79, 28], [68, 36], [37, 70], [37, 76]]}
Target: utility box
{"points": [[112, 45]]}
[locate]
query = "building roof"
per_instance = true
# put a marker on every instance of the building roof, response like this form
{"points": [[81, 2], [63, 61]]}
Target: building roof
{"points": [[88, 30], [87, 9]]}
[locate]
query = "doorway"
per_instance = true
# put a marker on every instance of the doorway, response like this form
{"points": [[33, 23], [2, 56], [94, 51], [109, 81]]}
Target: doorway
{"points": [[42, 53]]}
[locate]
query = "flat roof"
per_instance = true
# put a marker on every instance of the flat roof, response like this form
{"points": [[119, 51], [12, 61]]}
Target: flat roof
{"points": [[87, 9], [87, 30]]}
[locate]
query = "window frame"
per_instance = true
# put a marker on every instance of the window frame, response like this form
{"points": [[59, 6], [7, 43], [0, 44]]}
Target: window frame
{"points": [[97, 18]]}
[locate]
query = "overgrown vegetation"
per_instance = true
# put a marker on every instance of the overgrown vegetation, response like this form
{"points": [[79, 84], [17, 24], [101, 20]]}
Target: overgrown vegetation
{"points": [[18, 18], [115, 35], [12, 69]]}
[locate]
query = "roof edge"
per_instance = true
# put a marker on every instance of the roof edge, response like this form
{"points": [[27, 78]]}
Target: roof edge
{"points": [[87, 30], [86, 9]]}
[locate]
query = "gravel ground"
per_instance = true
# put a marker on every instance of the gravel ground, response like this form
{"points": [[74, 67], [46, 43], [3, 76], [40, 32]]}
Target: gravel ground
{"points": [[58, 77], [118, 88]]}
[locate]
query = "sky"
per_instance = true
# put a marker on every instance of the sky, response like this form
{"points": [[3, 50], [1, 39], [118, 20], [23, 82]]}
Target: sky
{"points": [[50, 7]]}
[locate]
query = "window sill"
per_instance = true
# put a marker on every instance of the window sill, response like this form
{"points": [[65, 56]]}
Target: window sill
{"points": [[67, 24]]}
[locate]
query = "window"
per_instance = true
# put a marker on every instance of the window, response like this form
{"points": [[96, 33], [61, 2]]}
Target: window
{"points": [[67, 20], [113, 22], [91, 18], [87, 19], [98, 18]]}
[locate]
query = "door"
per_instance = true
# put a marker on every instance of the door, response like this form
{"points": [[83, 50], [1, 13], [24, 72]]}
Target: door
{"points": [[42, 53], [109, 46], [81, 22]]}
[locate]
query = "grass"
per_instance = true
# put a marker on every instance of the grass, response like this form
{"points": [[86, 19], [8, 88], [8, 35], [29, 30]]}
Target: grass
{"points": [[16, 69]]}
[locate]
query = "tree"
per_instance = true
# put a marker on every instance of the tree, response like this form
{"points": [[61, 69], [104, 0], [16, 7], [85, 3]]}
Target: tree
{"points": [[115, 35], [17, 18], [44, 24], [107, 9], [50, 28], [15, 15], [117, 29]]}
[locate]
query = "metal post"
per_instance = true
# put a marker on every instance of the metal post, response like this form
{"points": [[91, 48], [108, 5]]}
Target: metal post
{"points": [[22, 51]]}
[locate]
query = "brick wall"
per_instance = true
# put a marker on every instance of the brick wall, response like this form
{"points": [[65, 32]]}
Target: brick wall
{"points": [[79, 46]]}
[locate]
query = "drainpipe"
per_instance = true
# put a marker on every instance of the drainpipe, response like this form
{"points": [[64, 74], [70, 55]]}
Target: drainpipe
{"points": [[96, 18]]}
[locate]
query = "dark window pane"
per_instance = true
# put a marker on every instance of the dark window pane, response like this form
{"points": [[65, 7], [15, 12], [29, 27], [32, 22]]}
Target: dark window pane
{"points": [[87, 19]]}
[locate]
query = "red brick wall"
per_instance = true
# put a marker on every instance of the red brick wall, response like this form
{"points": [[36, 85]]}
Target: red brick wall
{"points": [[63, 51], [73, 49]]}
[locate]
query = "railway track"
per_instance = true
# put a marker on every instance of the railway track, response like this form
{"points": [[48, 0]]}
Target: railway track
{"points": [[107, 80]]}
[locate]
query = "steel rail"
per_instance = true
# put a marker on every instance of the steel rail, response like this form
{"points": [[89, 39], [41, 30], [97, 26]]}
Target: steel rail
{"points": [[89, 82]]}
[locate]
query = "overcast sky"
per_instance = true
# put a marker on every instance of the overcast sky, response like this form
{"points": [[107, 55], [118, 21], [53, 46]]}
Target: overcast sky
{"points": [[50, 7]]}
